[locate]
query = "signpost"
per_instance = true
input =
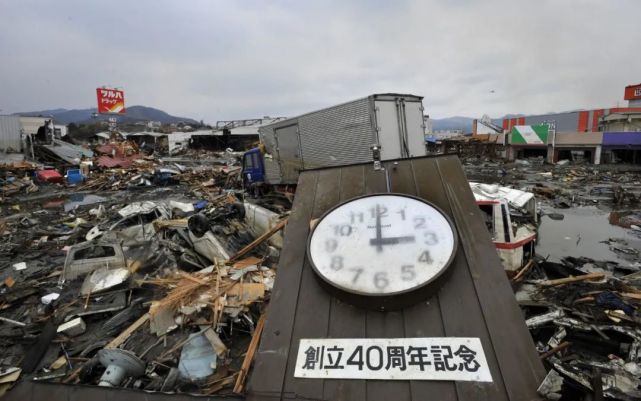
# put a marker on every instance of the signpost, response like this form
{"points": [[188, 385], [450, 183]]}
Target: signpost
{"points": [[110, 101]]}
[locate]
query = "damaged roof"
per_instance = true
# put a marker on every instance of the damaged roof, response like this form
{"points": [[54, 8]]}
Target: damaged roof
{"points": [[67, 152]]}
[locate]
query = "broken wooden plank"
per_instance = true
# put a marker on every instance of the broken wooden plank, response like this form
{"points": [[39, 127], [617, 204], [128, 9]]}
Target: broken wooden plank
{"points": [[116, 342], [521, 273], [631, 295], [194, 279], [556, 349], [250, 261], [245, 294], [257, 241], [249, 356], [573, 279]]}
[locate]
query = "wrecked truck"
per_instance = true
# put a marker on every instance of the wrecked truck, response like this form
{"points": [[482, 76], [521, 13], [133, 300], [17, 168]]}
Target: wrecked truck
{"points": [[377, 127]]}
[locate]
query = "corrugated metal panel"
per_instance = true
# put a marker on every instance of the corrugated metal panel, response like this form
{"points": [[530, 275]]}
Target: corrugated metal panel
{"points": [[267, 138], [272, 172], [289, 153], [337, 135], [415, 128], [272, 169], [388, 129], [10, 133], [30, 125], [68, 152]]}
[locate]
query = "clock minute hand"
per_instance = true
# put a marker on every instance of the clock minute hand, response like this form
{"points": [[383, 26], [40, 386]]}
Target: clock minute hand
{"points": [[379, 231], [379, 242]]}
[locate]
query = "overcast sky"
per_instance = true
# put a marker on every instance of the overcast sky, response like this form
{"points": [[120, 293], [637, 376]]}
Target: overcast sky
{"points": [[219, 60]]}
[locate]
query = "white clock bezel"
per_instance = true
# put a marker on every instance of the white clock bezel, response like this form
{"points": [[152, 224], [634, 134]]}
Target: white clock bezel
{"points": [[412, 290]]}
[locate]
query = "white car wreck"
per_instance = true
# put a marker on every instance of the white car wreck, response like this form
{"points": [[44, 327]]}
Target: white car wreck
{"points": [[511, 218]]}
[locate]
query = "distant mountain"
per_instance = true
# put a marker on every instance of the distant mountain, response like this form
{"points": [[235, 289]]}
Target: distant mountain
{"points": [[452, 123], [134, 114], [464, 123]]}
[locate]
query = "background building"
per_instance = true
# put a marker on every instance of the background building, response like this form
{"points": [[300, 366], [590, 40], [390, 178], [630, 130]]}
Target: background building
{"points": [[607, 135]]}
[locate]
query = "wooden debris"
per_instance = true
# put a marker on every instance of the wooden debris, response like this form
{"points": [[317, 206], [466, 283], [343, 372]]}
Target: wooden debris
{"points": [[116, 342], [574, 279], [257, 241], [584, 300], [58, 363], [245, 294], [187, 288], [249, 356], [250, 261], [556, 349], [631, 295], [217, 344], [177, 223], [519, 276], [9, 282]]}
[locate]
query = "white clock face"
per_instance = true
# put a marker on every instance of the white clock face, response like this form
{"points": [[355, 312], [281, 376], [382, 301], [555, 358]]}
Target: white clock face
{"points": [[382, 244]]}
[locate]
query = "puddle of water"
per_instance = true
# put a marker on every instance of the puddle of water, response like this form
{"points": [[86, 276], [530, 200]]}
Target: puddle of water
{"points": [[81, 200], [580, 234]]}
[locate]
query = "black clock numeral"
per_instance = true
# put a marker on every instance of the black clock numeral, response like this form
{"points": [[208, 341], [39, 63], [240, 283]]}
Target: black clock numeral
{"points": [[356, 217], [358, 271], [407, 272], [337, 262], [378, 210], [331, 245], [419, 222], [402, 213], [431, 238], [425, 257], [343, 230], [380, 280]]}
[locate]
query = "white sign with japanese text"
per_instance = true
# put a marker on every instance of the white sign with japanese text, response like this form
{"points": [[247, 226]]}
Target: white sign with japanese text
{"points": [[430, 358]]}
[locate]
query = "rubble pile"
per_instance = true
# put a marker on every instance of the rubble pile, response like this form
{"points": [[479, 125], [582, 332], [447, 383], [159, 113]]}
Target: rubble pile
{"points": [[566, 185], [159, 290], [583, 315]]}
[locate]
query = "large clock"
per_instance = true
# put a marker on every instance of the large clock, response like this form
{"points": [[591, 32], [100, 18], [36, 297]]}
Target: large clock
{"points": [[382, 251]]}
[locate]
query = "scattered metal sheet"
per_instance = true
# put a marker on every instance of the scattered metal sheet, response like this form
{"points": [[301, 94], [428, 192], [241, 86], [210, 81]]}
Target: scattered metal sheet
{"points": [[89, 256], [197, 359], [104, 278]]}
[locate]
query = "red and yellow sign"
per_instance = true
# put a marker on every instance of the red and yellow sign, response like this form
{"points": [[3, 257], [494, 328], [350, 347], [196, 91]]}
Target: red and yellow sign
{"points": [[110, 101]]}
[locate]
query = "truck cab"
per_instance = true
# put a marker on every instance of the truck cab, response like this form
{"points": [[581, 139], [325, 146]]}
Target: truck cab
{"points": [[253, 168]]}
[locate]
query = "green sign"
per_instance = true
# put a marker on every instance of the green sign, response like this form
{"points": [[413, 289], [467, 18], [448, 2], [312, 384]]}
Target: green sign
{"points": [[530, 135]]}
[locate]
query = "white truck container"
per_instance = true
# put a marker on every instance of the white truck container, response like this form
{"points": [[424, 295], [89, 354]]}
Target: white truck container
{"points": [[338, 135]]}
